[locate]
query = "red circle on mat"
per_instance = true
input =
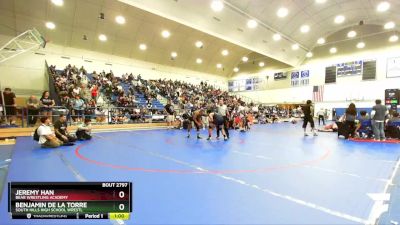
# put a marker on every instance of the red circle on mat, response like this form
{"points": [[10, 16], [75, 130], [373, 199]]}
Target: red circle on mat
{"points": [[200, 170]]}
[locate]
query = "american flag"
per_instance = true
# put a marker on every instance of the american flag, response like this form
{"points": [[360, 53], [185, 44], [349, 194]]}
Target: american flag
{"points": [[318, 93]]}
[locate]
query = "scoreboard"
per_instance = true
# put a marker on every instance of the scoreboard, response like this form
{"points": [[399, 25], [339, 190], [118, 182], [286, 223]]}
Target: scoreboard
{"points": [[70, 200], [392, 97]]}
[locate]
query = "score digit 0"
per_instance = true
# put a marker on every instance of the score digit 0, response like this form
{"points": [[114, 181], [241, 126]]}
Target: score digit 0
{"points": [[121, 194]]}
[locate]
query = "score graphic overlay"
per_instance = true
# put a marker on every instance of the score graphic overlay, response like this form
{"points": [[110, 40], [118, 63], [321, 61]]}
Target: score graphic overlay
{"points": [[70, 200]]}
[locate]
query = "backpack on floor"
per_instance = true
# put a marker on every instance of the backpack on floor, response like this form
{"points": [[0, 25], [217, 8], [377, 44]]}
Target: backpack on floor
{"points": [[36, 135]]}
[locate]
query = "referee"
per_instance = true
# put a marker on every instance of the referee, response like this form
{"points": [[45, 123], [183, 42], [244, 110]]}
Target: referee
{"points": [[222, 110]]}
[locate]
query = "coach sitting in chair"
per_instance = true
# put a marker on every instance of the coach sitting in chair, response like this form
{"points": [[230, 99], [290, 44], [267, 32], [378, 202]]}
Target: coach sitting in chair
{"points": [[60, 128]]}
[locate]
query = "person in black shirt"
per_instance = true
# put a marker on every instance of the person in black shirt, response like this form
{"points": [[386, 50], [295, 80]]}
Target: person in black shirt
{"points": [[169, 108], [46, 104], [60, 128], [10, 104], [350, 120], [308, 111]]}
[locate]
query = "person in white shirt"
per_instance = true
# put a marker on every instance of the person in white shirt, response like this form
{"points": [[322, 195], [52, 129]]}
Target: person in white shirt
{"points": [[84, 130], [47, 138], [321, 116]]}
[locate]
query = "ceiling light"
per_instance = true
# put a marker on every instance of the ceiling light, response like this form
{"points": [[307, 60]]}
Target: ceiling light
{"points": [[389, 25], [225, 52], [245, 59], [199, 44], [102, 37], [50, 25], [165, 34], [276, 37], [174, 54], [333, 50], [219, 65], [351, 34], [321, 41], [320, 1], [309, 54], [235, 69], [360, 45], [142, 47], [282, 12], [252, 24], [383, 6], [261, 64], [295, 47], [199, 61], [394, 38], [58, 2], [217, 5], [339, 19], [120, 19], [304, 28]]}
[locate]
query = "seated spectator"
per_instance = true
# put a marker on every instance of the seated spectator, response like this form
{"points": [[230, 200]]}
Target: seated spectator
{"points": [[395, 118], [84, 130], [33, 110], [362, 129], [393, 127], [61, 130], [47, 139]]}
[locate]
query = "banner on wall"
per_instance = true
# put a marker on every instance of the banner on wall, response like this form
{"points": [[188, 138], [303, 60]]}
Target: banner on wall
{"points": [[295, 77], [305, 78], [349, 68], [393, 67], [280, 76], [247, 84], [300, 78]]}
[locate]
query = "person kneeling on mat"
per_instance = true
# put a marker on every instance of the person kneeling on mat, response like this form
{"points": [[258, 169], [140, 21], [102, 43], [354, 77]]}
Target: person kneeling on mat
{"points": [[84, 130], [45, 136], [60, 128]]}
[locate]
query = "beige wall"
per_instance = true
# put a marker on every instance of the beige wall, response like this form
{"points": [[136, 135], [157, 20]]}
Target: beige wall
{"points": [[350, 88], [25, 73]]}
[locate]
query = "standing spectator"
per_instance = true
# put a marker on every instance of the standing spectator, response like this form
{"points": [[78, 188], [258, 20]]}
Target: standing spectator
{"points": [[78, 106], [46, 104], [321, 116], [61, 130], [10, 105], [33, 110], [47, 139], [308, 111], [378, 114], [169, 109], [350, 120], [94, 92]]}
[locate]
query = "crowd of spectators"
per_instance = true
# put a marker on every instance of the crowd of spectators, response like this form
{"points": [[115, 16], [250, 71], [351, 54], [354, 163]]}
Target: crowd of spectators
{"points": [[86, 94]]}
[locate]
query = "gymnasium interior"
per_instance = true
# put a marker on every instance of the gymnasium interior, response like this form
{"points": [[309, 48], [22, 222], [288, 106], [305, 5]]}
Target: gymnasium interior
{"points": [[213, 111]]}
